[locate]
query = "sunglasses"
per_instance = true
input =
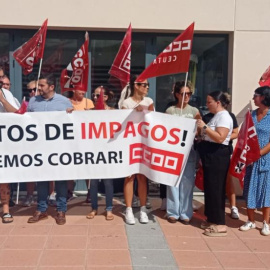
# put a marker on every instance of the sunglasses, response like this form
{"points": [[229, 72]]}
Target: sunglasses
{"points": [[143, 84], [8, 84], [95, 95], [32, 89], [186, 94], [256, 95]]}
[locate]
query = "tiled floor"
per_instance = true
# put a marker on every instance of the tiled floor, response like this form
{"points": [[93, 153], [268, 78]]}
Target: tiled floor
{"points": [[102, 245]]}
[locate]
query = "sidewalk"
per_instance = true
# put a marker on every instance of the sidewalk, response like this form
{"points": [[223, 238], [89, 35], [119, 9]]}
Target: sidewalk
{"points": [[103, 245]]}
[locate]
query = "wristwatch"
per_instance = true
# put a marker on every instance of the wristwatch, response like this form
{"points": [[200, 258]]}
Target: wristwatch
{"points": [[205, 127]]}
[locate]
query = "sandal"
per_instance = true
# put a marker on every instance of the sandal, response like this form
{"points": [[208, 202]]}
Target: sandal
{"points": [[109, 215], [205, 224], [213, 231], [7, 218], [92, 214]]}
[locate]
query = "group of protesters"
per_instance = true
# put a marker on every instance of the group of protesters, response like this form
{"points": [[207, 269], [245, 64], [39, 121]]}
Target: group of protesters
{"points": [[213, 146]]}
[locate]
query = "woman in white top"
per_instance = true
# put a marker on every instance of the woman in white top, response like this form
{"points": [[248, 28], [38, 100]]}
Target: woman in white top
{"points": [[138, 101], [215, 155]]}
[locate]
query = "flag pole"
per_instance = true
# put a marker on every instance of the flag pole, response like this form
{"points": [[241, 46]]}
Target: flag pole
{"points": [[39, 71], [182, 104]]}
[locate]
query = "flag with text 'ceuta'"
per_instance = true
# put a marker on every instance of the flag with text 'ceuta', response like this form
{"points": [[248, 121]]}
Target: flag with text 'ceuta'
{"points": [[173, 59], [121, 64], [32, 51], [265, 78], [247, 149], [75, 76]]}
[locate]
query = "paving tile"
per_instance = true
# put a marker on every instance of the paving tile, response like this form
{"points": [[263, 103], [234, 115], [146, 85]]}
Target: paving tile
{"points": [[152, 258], [63, 258], [239, 260], [195, 259], [107, 242], [258, 245], [147, 242], [189, 231], [2, 240], [76, 220], [117, 267], [186, 243], [108, 230], [156, 268], [66, 242], [60, 268], [254, 233], [5, 229], [18, 258], [25, 242], [31, 229], [226, 244], [108, 258], [17, 268], [69, 230], [143, 229], [265, 258]]}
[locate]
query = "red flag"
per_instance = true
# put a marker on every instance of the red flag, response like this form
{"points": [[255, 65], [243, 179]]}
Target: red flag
{"points": [[265, 79], [31, 51], [121, 64], [23, 107], [247, 149], [174, 59], [99, 105], [75, 76]]}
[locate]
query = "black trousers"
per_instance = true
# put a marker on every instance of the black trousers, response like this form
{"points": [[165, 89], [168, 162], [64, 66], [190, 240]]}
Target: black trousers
{"points": [[215, 160]]}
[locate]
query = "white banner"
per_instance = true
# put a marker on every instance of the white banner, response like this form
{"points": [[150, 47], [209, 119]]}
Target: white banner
{"points": [[94, 144]]}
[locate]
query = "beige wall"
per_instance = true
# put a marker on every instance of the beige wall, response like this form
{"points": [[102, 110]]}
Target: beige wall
{"points": [[246, 21], [117, 14]]}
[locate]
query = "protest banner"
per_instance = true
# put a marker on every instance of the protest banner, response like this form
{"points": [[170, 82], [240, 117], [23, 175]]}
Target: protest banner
{"points": [[89, 144]]}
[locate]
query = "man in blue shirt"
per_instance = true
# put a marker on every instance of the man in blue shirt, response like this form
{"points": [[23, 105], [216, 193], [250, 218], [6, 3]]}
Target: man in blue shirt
{"points": [[49, 101]]}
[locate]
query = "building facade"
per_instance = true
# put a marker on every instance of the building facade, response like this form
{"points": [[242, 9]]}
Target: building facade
{"points": [[230, 47]]}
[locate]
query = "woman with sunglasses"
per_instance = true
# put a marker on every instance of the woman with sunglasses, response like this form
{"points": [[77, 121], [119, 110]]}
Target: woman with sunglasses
{"points": [[257, 179], [138, 101], [108, 183], [179, 199]]}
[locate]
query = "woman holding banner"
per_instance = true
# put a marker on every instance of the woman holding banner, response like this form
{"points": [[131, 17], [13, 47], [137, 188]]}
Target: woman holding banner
{"points": [[138, 101], [107, 95], [257, 179], [179, 199], [214, 151]]}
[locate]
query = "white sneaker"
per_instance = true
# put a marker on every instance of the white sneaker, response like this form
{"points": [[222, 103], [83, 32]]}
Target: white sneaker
{"points": [[234, 213], [248, 226], [129, 217], [265, 229], [163, 206], [143, 215]]}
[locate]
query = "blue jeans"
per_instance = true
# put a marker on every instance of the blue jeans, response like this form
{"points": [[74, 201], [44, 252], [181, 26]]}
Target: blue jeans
{"points": [[43, 193], [108, 183], [179, 199]]}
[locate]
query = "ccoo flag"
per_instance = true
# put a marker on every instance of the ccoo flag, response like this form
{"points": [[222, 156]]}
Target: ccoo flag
{"points": [[265, 79], [174, 59], [31, 51], [247, 149], [75, 76], [121, 64]]}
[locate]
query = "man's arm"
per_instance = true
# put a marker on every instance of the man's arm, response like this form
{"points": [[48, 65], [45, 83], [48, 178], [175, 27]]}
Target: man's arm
{"points": [[7, 106]]}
